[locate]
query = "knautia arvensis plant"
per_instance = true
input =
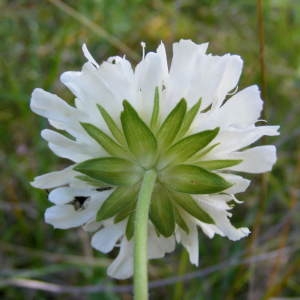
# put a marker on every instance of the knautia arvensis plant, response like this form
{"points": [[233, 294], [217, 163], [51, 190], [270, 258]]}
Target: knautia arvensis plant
{"points": [[186, 126]]}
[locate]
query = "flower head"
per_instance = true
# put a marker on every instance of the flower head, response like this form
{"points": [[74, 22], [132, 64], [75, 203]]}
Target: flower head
{"points": [[180, 121]]}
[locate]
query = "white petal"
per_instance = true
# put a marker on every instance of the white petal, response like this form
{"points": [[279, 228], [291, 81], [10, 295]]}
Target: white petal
{"points": [[105, 239], [185, 54], [148, 75], [63, 195], [234, 139], [159, 246], [220, 216], [240, 184], [65, 216], [209, 229], [161, 51], [99, 196], [122, 266], [92, 226], [213, 77], [242, 109], [122, 66], [92, 116], [66, 148], [218, 201], [255, 160], [54, 179], [190, 242], [118, 76], [230, 70], [90, 88], [54, 108], [88, 55]]}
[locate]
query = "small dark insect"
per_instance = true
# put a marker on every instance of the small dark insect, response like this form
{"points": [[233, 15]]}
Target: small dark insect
{"points": [[79, 201], [106, 188]]}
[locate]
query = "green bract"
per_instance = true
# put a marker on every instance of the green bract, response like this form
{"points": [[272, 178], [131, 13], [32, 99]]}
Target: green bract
{"points": [[191, 179], [162, 145], [140, 139], [161, 210], [118, 203], [111, 170]]}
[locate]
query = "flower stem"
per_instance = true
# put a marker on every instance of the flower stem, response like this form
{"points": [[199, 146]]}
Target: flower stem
{"points": [[140, 276]]}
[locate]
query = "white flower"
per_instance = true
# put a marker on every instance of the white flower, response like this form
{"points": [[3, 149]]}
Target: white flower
{"points": [[181, 121]]}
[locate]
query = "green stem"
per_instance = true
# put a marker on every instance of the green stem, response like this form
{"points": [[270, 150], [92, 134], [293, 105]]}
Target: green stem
{"points": [[140, 276]]}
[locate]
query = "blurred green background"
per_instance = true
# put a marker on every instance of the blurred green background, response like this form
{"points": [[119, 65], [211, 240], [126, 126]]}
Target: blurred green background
{"points": [[40, 40]]}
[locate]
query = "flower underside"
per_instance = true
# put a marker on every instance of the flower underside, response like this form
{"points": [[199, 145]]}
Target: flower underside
{"points": [[164, 146]]}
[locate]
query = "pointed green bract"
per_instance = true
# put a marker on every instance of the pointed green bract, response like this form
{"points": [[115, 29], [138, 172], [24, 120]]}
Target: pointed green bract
{"points": [[170, 127], [191, 206], [111, 170], [91, 181], [218, 164], [130, 227], [180, 221], [116, 202], [189, 118], [114, 129], [205, 151], [161, 211], [189, 146], [108, 144], [193, 180], [140, 139], [126, 211], [155, 112]]}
